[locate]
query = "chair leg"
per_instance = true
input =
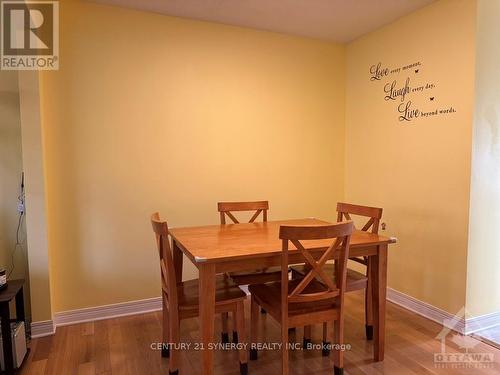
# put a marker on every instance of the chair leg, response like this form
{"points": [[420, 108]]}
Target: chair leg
{"points": [[254, 316], [224, 334], [306, 342], [235, 332], [338, 355], [284, 348], [173, 363], [240, 328], [368, 304], [165, 352], [327, 336]]}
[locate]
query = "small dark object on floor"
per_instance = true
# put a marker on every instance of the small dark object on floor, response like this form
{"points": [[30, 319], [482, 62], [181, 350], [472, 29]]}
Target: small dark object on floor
{"points": [[369, 332], [253, 354], [325, 351], [165, 352], [244, 368], [306, 343]]}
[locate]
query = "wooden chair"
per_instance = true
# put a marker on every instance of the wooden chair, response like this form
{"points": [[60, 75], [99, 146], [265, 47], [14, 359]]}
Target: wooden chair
{"points": [[180, 300], [355, 280], [307, 301], [245, 277]]}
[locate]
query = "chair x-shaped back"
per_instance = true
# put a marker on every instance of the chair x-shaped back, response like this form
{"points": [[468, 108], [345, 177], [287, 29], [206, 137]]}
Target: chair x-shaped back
{"points": [[341, 232], [226, 209]]}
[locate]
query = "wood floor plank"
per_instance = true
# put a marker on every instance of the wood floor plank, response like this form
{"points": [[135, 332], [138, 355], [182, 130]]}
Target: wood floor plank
{"points": [[122, 346], [102, 348]]}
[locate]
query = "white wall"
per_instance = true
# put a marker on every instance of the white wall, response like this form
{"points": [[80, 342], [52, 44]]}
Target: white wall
{"points": [[483, 262]]}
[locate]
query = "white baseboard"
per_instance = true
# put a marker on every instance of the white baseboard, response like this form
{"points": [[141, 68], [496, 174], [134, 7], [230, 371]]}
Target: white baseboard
{"points": [[465, 326], [479, 323], [426, 310], [48, 327], [107, 311], [43, 328], [468, 326]]}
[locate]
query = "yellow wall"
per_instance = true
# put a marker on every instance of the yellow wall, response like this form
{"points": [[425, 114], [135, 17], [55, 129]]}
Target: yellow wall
{"points": [[483, 278], [150, 112], [418, 171]]}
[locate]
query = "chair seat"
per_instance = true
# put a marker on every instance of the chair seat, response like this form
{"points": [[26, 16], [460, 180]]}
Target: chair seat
{"points": [[268, 296], [225, 291], [355, 280], [256, 277]]}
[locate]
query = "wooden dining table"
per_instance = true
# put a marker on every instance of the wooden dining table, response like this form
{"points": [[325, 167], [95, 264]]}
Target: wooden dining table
{"points": [[225, 248]]}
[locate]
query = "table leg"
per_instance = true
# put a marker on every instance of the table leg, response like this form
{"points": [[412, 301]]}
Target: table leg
{"points": [[6, 338], [379, 291], [207, 315], [368, 302], [177, 255]]}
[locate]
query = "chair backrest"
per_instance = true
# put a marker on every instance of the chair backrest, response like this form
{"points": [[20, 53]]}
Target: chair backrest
{"points": [[340, 234], [345, 210], [259, 207], [168, 279]]}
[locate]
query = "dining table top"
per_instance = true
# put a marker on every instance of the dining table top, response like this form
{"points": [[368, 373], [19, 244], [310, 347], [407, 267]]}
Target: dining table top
{"points": [[215, 243]]}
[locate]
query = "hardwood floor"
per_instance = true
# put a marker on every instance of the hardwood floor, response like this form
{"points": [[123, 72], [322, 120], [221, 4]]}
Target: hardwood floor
{"points": [[122, 346]]}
